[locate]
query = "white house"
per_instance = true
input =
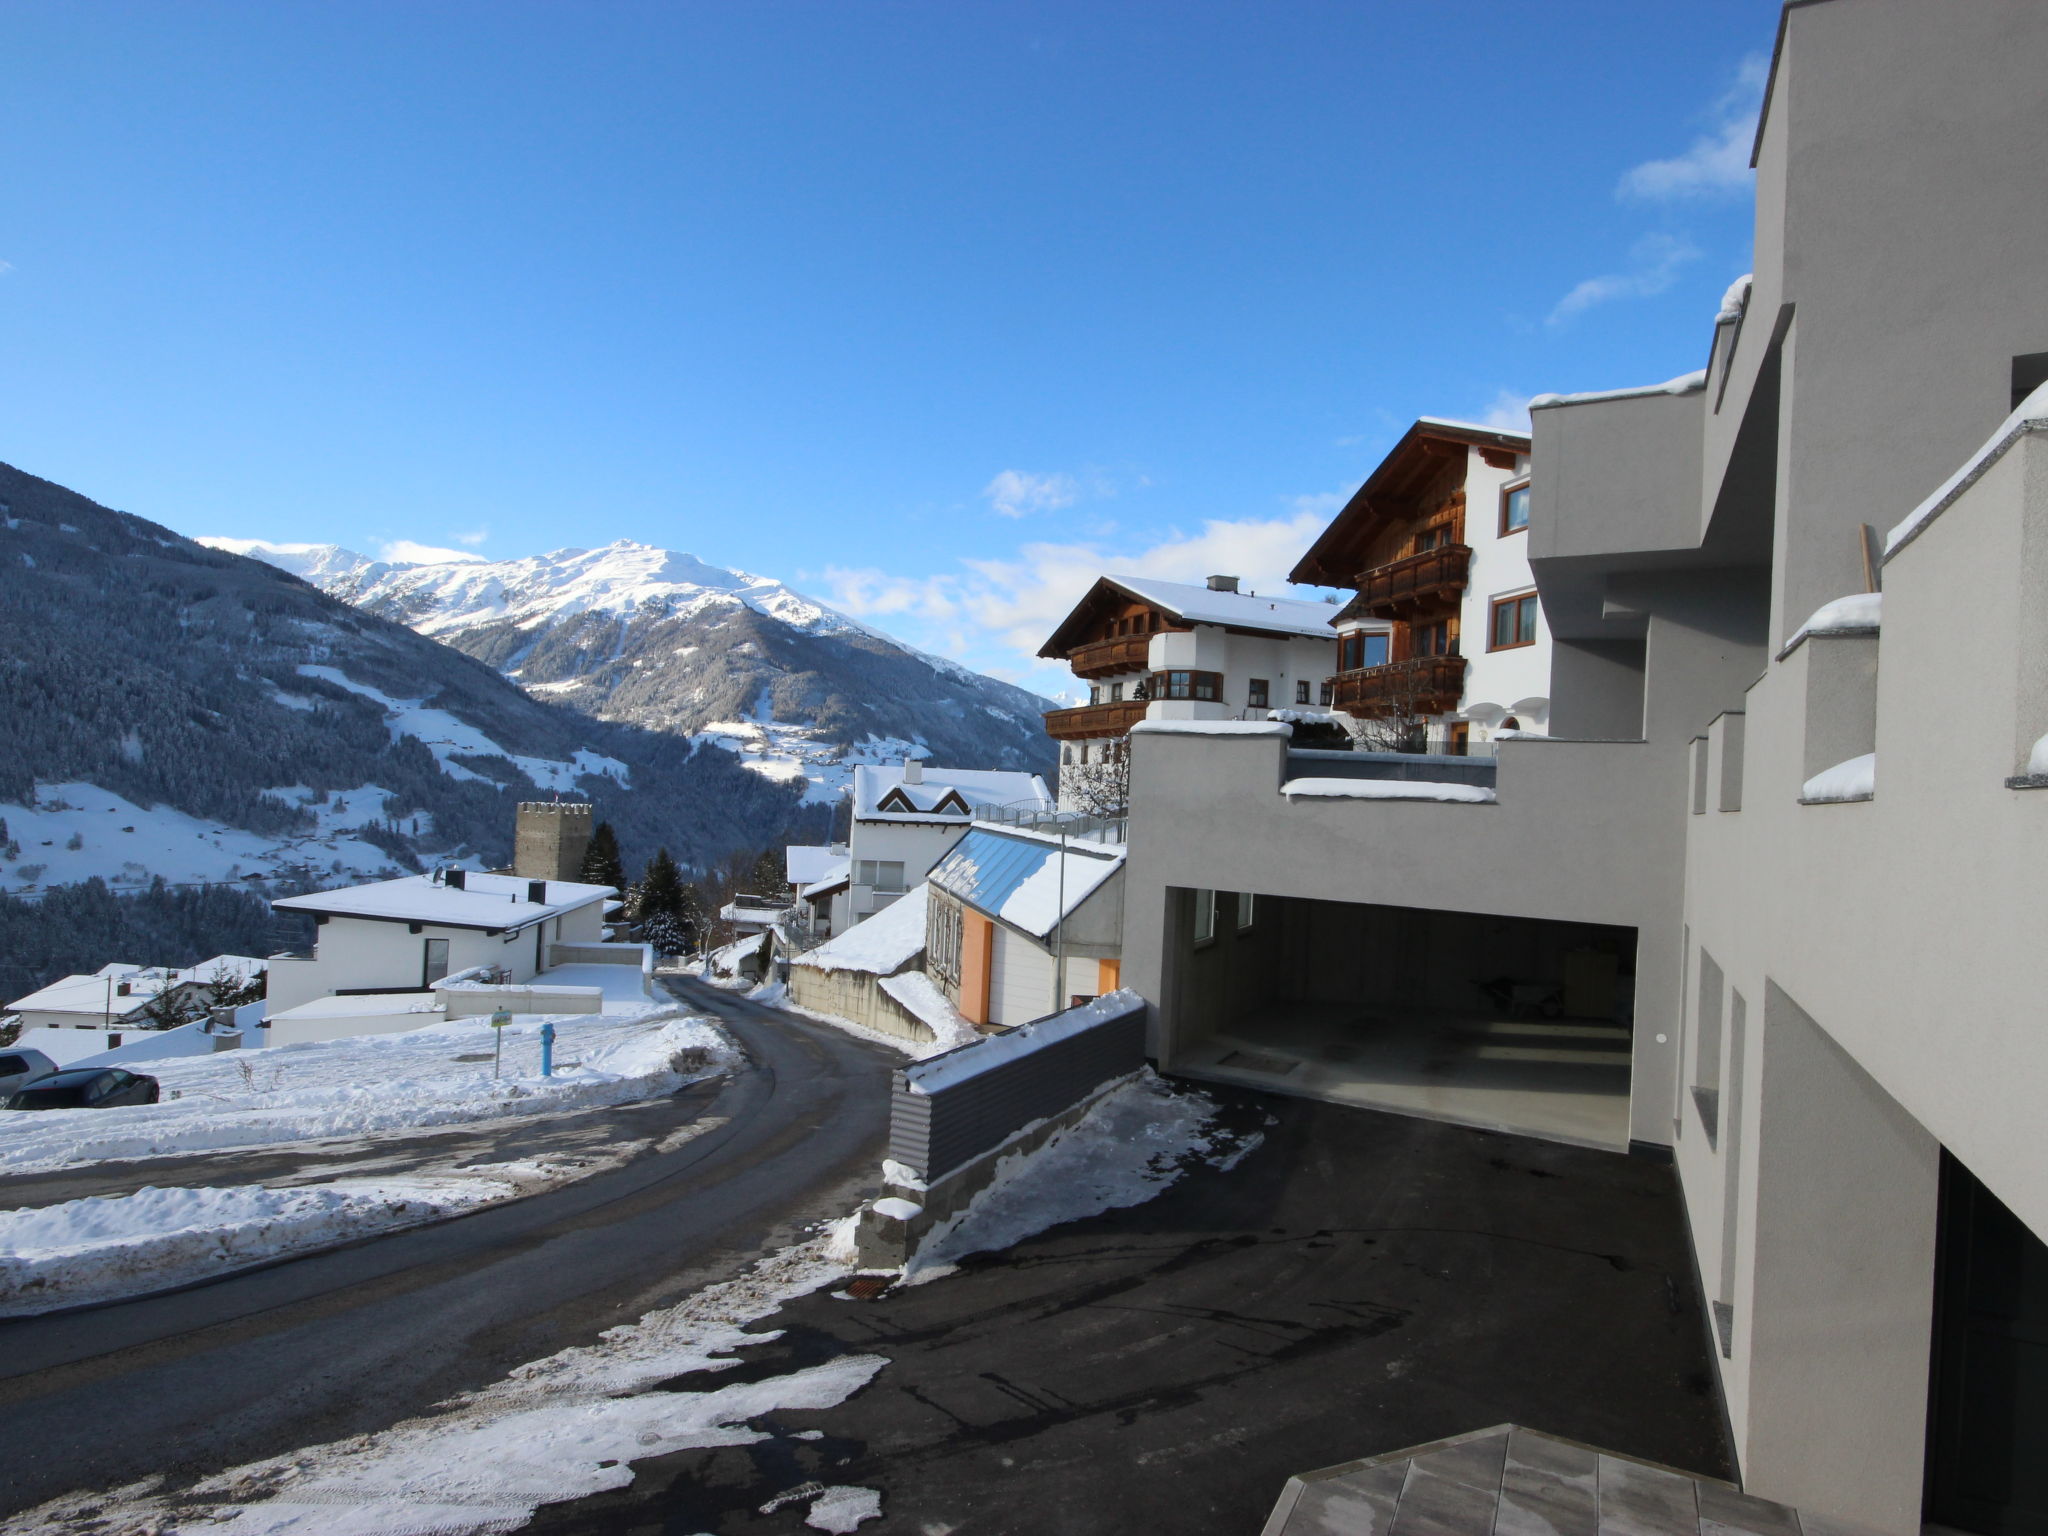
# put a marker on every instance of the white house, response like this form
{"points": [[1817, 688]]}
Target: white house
{"points": [[1446, 642], [1162, 650], [906, 817], [402, 936], [119, 997], [1022, 923]]}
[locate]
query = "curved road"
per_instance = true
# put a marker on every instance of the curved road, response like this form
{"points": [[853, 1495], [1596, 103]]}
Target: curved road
{"points": [[338, 1343]]}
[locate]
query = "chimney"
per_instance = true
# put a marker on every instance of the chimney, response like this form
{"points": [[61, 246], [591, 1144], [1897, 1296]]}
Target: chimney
{"points": [[455, 879], [550, 839], [1222, 583], [537, 892], [913, 770]]}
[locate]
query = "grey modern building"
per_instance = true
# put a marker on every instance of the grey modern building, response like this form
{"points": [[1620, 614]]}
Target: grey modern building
{"points": [[1698, 921]]}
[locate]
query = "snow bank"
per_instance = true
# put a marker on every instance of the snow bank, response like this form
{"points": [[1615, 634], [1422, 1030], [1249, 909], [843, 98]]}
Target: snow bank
{"points": [[1736, 299], [1279, 728], [1135, 1142], [122, 1245], [995, 1050], [366, 1084], [1857, 614], [1386, 789], [886, 942], [922, 1000], [1854, 780], [2032, 415]]}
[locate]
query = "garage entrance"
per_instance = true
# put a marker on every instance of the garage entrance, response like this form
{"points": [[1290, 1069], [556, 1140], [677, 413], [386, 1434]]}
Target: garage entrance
{"points": [[1510, 1023]]}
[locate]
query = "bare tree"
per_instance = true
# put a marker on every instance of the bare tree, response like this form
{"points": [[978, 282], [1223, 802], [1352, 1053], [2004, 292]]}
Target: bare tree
{"points": [[1100, 788]]}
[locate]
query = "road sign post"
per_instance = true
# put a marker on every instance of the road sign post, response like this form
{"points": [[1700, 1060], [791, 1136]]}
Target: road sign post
{"points": [[500, 1017]]}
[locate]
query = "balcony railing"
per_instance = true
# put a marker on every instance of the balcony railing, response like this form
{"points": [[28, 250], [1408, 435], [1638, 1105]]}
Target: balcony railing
{"points": [[1421, 685], [1106, 658], [1092, 722], [1393, 591]]}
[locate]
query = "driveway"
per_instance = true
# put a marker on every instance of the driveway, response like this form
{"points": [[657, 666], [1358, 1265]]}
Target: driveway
{"points": [[1360, 1283], [316, 1348]]}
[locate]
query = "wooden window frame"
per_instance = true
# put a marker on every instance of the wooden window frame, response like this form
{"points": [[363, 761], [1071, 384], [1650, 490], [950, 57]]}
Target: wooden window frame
{"points": [[1493, 609], [1505, 492], [1301, 690], [1258, 693]]}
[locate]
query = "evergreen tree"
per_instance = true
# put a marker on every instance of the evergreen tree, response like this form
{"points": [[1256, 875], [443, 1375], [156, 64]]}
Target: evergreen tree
{"points": [[602, 864], [661, 888], [767, 877], [664, 931], [694, 912]]}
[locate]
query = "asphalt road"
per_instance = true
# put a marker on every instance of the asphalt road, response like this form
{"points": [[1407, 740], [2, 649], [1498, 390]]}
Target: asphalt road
{"points": [[354, 1339], [1359, 1283]]}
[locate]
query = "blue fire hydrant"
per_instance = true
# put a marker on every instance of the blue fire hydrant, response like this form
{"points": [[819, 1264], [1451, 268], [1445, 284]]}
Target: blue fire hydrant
{"points": [[547, 1050]]}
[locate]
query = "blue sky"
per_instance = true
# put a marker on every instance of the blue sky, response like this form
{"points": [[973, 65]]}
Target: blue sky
{"points": [[934, 310]]}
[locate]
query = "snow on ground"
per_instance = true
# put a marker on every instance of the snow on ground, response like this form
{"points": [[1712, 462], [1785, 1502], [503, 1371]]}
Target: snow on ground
{"points": [[561, 1428], [125, 845], [366, 1084], [96, 1249], [779, 750], [1136, 1141]]}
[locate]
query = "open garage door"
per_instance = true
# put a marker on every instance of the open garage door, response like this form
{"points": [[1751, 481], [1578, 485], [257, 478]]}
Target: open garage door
{"points": [[1511, 1023]]}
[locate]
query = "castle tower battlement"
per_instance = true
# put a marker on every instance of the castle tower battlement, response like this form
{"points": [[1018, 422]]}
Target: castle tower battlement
{"points": [[550, 839]]}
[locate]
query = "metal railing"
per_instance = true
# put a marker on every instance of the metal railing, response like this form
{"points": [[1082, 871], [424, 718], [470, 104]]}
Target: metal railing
{"points": [[1079, 825]]}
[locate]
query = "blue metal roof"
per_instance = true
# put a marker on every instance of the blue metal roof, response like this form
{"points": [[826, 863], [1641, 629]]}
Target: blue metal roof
{"points": [[986, 868]]}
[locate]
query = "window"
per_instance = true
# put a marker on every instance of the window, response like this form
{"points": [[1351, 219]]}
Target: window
{"points": [[1205, 916], [1095, 694], [1301, 691], [1326, 693], [943, 940], [1116, 693], [1244, 910], [435, 962], [1514, 622], [882, 874], [1359, 649], [1432, 639], [1514, 509], [1428, 539], [1255, 693], [1188, 685]]}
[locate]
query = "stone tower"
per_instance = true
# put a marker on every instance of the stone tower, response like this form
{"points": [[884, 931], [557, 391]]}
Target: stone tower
{"points": [[550, 840]]}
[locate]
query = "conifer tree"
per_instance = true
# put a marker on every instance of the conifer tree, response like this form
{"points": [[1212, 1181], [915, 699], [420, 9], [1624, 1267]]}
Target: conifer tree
{"points": [[602, 864], [660, 889]]}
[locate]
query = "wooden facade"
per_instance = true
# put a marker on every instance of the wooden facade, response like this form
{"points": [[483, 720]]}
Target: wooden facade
{"points": [[1092, 722]]}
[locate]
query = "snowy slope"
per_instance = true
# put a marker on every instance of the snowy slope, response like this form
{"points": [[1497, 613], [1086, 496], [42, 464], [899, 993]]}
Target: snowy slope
{"points": [[665, 640]]}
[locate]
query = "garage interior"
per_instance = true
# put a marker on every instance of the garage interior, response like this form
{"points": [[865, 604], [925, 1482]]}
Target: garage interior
{"points": [[1509, 1023]]}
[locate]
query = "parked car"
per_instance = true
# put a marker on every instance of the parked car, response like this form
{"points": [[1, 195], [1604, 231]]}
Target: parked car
{"points": [[20, 1068], [86, 1088]]}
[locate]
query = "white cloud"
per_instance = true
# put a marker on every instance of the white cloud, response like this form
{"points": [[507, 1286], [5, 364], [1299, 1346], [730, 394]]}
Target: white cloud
{"points": [[1508, 411], [1718, 161], [473, 538], [406, 552], [1014, 603], [1654, 264], [1019, 493], [6, 267]]}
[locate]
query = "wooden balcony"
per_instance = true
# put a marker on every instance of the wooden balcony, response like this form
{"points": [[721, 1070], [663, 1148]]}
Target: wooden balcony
{"points": [[1427, 580], [1107, 658], [1422, 685], [1092, 722]]}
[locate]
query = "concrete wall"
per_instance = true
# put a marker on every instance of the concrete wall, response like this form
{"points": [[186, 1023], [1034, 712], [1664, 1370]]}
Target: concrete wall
{"points": [[341, 1025], [470, 1002], [855, 995]]}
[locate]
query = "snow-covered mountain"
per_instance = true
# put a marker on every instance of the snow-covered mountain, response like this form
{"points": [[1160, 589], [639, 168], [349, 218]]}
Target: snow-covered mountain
{"points": [[667, 641]]}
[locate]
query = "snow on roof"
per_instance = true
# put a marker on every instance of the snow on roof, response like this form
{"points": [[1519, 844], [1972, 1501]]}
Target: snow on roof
{"points": [[975, 786], [1853, 780], [1472, 426], [1684, 384], [1385, 789], [99, 995], [2032, 416], [831, 880], [922, 1000], [1212, 728], [362, 1005], [231, 967], [490, 902], [997, 1050], [883, 944], [1244, 610], [803, 863], [1735, 300], [1022, 879]]}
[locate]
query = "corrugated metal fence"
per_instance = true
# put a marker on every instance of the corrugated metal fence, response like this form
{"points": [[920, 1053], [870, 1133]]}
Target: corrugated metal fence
{"points": [[938, 1129]]}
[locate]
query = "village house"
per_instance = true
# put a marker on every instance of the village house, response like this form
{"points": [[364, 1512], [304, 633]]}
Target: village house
{"points": [[1162, 650], [121, 998], [1696, 921], [905, 818], [1444, 644]]}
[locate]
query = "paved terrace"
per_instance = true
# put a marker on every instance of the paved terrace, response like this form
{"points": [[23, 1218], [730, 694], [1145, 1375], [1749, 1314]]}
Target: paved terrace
{"points": [[1360, 1282]]}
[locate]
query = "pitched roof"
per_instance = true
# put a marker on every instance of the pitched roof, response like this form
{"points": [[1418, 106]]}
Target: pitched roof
{"points": [[1019, 877], [1196, 605], [492, 903], [950, 792]]}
